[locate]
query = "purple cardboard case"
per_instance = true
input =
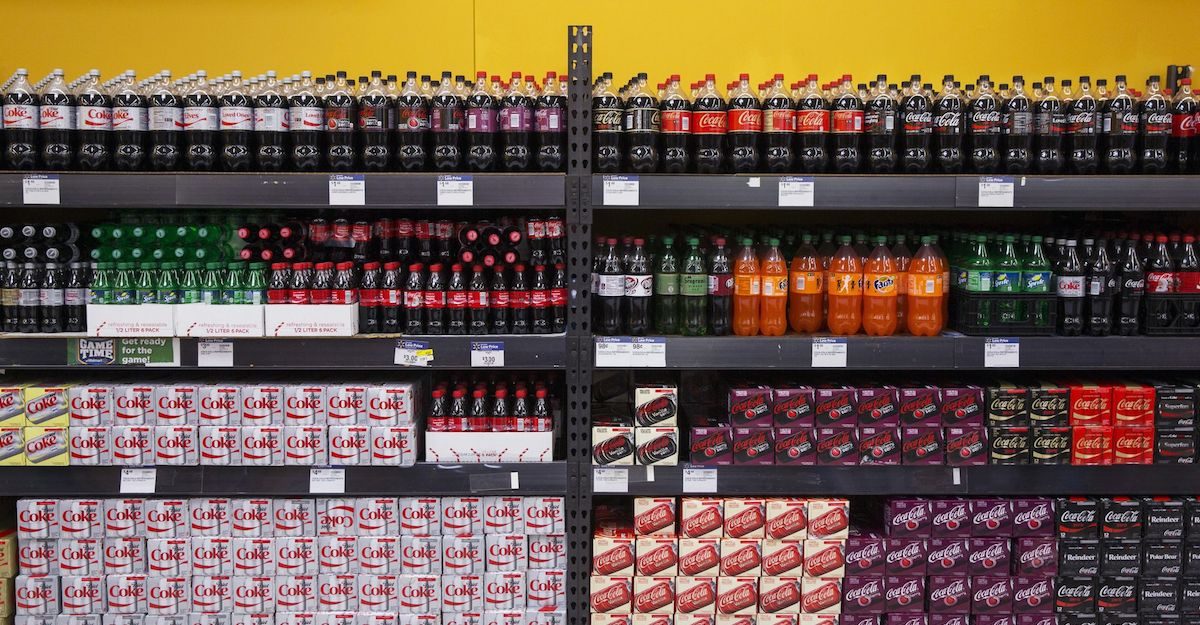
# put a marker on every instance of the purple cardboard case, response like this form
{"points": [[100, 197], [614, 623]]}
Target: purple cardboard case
{"points": [[962, 406], [1036, 555], [947, 556], [949, 594], [878, 406], [908, 517], [949, 619], [991, 594], [951, 518], [989, 556], [864, 556], [863, 594], [920, 405], [907, 618], [753, 446], [878, 445], [904, 556], [835, 407], [750, 407], [860, 619], [837, 446], [711, 446], [795, 446], [966, 446], [793, 407], [1033, 517], [922, 445], [1033, 595], [904, 592], [991, 518]]}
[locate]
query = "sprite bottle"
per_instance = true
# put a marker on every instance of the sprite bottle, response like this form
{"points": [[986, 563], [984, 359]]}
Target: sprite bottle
{"points": [[101, 291], [210, 284], [255, 286], [232, 290], [978, 269], [168, 284], [1036, 278], [122, 284], [1006, 278], [189, 284]]}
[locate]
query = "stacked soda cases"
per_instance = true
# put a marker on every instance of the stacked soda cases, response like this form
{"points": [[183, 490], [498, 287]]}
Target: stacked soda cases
{"points": [[1053, 127], [291, 123], [706, 560], [650, 438], [44, 279], [215, 561]]}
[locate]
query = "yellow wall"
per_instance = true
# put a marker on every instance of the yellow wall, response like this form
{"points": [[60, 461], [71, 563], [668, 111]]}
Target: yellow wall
{"points": [[864, 37]]}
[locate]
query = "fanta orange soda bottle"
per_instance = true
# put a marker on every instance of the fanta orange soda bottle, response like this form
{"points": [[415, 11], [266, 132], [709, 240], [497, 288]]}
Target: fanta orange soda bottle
{"points": [[806, 299], [772, 314], [903, 260], [923, 312], [747, 289], [880, 291], [845, 289]]}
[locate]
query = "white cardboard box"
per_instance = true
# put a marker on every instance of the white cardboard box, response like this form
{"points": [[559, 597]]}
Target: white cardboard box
{"points": [[120, 320], [219, 320], [311, 320], [475, 447]]}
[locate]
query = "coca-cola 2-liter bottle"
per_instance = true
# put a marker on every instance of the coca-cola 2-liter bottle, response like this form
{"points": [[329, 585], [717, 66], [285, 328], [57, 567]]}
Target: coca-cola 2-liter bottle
{"points": [[607, 118], [642, 125], [879, 128], [57, 123], [200, 125], [1082, 127], [745, 127], [914, 128], [21, 118], [1155, 121], [847, 120], [1183, 128], [812, 127], [985, 128], [129, 124], [948, 127], [1018, 129], [237, 124], [676, 123], [710, 123], [1121, 121], [779, 126], [93, 120]]}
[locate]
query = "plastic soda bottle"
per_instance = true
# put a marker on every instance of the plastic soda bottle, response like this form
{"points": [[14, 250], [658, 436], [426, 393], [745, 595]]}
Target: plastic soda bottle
{"points": [[978, 269], [1036, 278], [806, 300], [747, 288], [880, 291], [926, 289], [772, 316], [1006, 278], [666, 289], [903, 260], [845, 289], [693, 287]]}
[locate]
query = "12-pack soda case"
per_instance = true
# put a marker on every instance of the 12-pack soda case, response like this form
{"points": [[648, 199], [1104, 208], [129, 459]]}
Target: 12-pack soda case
{"points": [[1060, 561], [364, 561]]}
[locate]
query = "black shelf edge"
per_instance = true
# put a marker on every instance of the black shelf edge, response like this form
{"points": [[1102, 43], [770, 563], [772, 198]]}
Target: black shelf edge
{"points": [[1159, 479], [1154, 193]]}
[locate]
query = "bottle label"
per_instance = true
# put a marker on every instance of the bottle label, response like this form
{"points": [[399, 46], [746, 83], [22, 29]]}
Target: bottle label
{"points": [[457, 299], [548, 119], [28, 297], [307, 118], [372, 117], [676, 121], [9, 297], [481, 119], [747, 285], [638, 285], [518, 299], [433, 299], [539, 299], [413, 299], [1124, 122], [75, 297], [979, 281], [710, 122], [606, 120], [745, 120], [808, 282], [516, 119], [902, 283], [774, 286], [812, 120], [269, 119], [128, 118], [1081, 123], [610, 286], [1049, 124], [93, 118], [917, 122], [843, 283], [666, 284], [878, 122], [848, 121], [50, 297], [1182, 126], [642, 119], [779, 120], [1160, 282], [1070, 286], [693, 285], [1095, 286], [558, 297], [720, 284], [1006, 281], [1035, 281], [924, 285], [948, 123], [200, 118], [337, 118], [500, 299], [477, 299], [20, 116], [986, 123], [446, 118], [1188, 281], [1156, 123], [880, 284], [1019, 123], [57, 117], [412, 119], [370, 297], [344, 296]]}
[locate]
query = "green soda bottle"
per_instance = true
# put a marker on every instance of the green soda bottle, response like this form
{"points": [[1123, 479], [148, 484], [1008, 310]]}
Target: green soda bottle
{"points": [[255, 291], [189, 284], [1006, 278], [145, 283], [232, 291], [211, 283], [101, 291], [666, 289], [693, 287], [122, 284], [978, 269], [1036, 278], [168, 284]]}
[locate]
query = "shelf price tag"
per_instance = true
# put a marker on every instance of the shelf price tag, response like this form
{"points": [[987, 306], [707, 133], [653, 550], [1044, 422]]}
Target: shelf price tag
{"points": [[413, 353], [347, 190], [214, 353], [455, 191], [614, 351], [996, 191], [489, 354], [696, 480], [326, 481], [797, 190], [138, 480], [610, 480], [621, 190], [40, 189], [1002, 352], [648, 351], [829, 351]]}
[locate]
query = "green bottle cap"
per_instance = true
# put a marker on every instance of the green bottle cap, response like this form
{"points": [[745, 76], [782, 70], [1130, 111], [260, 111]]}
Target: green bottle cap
{"points": [[774, 242]]}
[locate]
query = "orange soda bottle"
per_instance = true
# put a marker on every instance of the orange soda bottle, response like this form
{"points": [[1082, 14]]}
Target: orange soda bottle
{"points": [[880, 291], [926, 290], [845, 289], [772, 314], [747, 289], [806, 298], [903, 259]]}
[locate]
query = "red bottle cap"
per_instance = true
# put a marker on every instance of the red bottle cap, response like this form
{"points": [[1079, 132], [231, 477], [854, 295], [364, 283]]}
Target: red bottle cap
{"points": [[391, 266], [415, 267], [371, 266], [456, 267], [477, 268], [324, 266], [346, 266], [279, 266]]}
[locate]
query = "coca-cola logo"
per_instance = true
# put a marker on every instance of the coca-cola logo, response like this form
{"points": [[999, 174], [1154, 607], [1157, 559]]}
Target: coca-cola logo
{"points": [[1134, 405], [947, 119], [1003, 405], [1048, 405], [912, 518], [957, 587], [1108, 591], [1086, 515], [1094, 404], [1158, 118]]}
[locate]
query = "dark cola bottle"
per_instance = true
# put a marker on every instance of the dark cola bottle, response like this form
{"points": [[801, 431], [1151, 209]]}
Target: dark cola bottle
{"points": [[434, 300], [1049, 123], [412, 126], [519, 301], [200, 119], [558, 298], [370, 304], [237, 124], [812, 128], [129, 125], [745, 127], [376, 119], [948, 127], [75, 291], [779, 127], [1183, 129], [446, 123], [1161, 278], [1154, 120], [1131, 286], [93, 121], [516, 126], [1082, 127], [710, 124], [391, 298], [539, 301], [847, 120], [549, 120], [57, 124], [1070, 279], [456, 301], [676, 122], [499, 299], [984, 128], [21, 118], [1101, 286], [642, 125], [340, 113], [879, 128], [477, 302], [306, 125], [1018, 129], [1187, 281], [270, 125], [607, 122], [481, 126], [1121, 123], [914, 127], [414, 300]]}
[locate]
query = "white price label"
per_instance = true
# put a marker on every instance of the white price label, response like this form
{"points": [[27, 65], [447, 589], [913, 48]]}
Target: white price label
{"points": [[413, 354], [829, 352], [797, 190], [613, 351], [515, 480], [138, 480], [40, 189], [1002, 352], [487, 354], [621, 190], [327, 481], [648, 351], [610, 480], [455, 191], [214, 353], [347, 190], [699, 480], [996, 191]]}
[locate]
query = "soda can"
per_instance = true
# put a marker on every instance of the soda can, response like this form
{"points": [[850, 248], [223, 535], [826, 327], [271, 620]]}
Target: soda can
{"points": [[335, 517], [350, 445], [38, 556], [390, 404], [545, 617], [544, 515], [376, 618], [262, 404], [265, 618], [253, 594], [219, 404], [407, 618], [176, 445], [303, 404], [220, 445], [207, 618], [295, 618], [262, 446], [337, 554], [394, 445], [212, 555], [253, 556], [91, 446], [176, 404], [37, 518], [376, 516], [462, 516], [547, 551], [132, 445], [419, 594], [462, 555], [305, 445], [546, 588], [251, 518], [504, 515], [124, 556], [296, 555], [505, 552], [170, 557], [421, 555], [212, 593], [75, 557], [126, 593], [296, 593], [379, 555], [462, 593], [209, 517], [46, 405], [295, 517], [47, 446], [168, 595], [504, 617], [80, 518], [504, 590], [133, 404], [420, 516], [377, 593], [347, 405], [37, 594], [12, 446], [337, 592]]}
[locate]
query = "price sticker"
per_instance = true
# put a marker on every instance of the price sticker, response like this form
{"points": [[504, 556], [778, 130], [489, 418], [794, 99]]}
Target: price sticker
{"points": [[699, 480], [210, 353], [610, 480], [40, 189], [621, 190], [648, 351], [829, 352], [1002, 353], [347, 190], [613, 351], [413, 353], [138, 480], [996, 191], [327, 481], [455, 191], [487, 354], [797, 190]]}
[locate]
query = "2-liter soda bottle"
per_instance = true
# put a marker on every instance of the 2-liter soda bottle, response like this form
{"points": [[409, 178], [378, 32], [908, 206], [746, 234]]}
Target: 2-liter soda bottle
{"points": [[845, 289], [772, 318], [923, 309], [693, 289], [880, 292], [747, 288], [806, 298]]}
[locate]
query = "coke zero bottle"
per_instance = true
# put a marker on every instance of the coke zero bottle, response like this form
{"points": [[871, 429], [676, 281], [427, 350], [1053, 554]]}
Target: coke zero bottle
{"points": [[948, 127], [915, 126], [1154, 118], [237, 123], [550, 123], [1183, 128], [641, 128], [412, 126], [57, 124], [779, 126], [21, 118], [847, 119], [446, 122], [710, 122], [984, 128], [676, 121], [200, 125], [481, 126], [93, 119], [745, 127], [340, 112], [376, 123], [1018, 129], [607, 122], [879, 128], [1081, 127]]}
